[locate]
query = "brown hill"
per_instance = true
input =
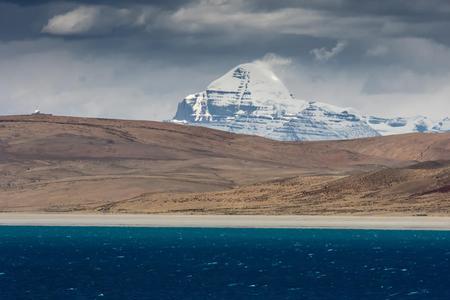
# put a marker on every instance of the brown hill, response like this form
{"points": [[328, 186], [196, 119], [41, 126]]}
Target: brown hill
{"points": [[52, 163], [398, 191]]}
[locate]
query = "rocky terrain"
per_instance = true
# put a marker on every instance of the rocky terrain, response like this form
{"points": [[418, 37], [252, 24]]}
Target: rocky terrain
{"points": [[67, 164]]}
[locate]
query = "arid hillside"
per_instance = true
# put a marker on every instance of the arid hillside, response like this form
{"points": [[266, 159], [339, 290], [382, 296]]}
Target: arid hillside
{"points": [[50, 163]]}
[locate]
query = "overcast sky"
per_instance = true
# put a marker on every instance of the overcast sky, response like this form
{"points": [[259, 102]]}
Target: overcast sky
{"points": [[138, 59]]}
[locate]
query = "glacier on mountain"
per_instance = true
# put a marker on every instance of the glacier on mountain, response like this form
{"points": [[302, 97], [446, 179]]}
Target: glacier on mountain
{"points": [[442, 125], [251, 99], [386, 126]]}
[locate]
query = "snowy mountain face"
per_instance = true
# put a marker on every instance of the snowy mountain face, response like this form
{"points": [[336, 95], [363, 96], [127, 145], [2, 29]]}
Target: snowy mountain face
{"points": [[251, 99], [400, 125], [442, 126], [407, 125]]}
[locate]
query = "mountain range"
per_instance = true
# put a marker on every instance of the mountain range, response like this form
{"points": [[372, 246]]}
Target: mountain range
{"points": [[251, 99]]}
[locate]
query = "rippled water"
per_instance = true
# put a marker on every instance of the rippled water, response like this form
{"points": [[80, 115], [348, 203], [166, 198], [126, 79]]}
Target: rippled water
{"points": [[176, 263]]}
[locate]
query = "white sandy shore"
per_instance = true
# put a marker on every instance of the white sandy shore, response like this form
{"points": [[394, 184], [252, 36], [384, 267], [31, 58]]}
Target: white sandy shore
{"points": [[238, 221]]}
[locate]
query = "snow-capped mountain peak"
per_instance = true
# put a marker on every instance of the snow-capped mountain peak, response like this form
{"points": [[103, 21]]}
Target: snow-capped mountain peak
{"points": [[256, 79], [251, 99]]}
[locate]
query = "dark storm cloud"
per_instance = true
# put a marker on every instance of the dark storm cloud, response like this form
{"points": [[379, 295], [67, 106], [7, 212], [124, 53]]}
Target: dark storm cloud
{"points": [[388, 17], [343, 51], [165, 3], [400, 8], [236, 21]]}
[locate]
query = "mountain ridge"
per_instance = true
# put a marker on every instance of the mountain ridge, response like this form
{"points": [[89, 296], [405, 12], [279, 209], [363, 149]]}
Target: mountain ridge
{"points": [[251, 99]]}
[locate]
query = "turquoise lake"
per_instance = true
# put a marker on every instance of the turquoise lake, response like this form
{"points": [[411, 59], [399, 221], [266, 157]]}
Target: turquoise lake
{"points": [[193, 263]]}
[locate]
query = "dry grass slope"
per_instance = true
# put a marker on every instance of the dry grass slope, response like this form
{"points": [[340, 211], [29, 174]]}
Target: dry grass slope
{"points": [[66, 164]]}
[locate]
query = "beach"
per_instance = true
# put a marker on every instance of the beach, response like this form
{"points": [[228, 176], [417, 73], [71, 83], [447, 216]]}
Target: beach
{"points": [[227, 221]]}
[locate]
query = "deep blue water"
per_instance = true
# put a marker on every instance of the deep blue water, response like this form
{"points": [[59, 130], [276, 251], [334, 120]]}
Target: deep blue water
{"points": [[176, 263]]}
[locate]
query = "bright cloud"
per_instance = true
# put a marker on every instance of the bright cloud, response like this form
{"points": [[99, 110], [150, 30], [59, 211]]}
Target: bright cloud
{"points": [[323, 54], [77, 21]]}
